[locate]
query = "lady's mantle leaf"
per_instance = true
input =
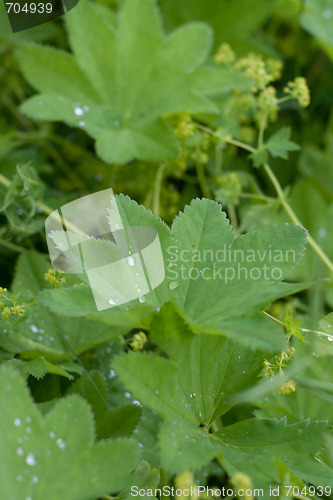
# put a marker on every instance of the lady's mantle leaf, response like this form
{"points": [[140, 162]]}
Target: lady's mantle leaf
{"points": [[220, 282], [252, 446], [55, 456], [110, 422], [192, 389], [120, 95]]}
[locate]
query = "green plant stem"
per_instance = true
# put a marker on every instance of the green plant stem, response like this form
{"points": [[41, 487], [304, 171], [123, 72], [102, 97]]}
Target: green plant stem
{"points": [[12, 246], [261, 131], [257, 196], [164, 482], [284, 99], [40, 347], [294, 217], [306, 330], [202, 180], [233, 216], [284, 203], [157, 189], [4, 181], [240, 144]]}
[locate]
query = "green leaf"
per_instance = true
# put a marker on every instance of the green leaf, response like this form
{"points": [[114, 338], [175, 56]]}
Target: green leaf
{"points": [[260, 157], [189, 390], [238, 275], [279, 144], [316, 18], [50, 335], [323, 344], [145, 433], [292, 326], [110, 422], [252, 446], [316, 215], [225, 18], [143, 478], [29, 273], [221, 283], [184, 447], [121, 100], [56, 454]]}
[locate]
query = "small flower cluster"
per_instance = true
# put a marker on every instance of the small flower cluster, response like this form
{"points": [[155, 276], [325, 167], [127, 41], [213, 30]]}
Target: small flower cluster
{"points": [[9, 306], [224, 55], [54, 277], [185, 480], [241, 481], [185, 126], [250, 108], [279, 362], [138, 341], [254, 68], [287, 387], [194, 143], [298, 89], [229, 188], [268, 104]]}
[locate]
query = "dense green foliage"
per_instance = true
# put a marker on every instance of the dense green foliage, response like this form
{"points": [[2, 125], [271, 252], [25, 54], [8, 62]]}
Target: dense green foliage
{"points": [[215, 117]]}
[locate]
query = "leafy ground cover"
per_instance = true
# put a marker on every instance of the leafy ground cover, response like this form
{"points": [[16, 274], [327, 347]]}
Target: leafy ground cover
{"points": [[212, 123]]}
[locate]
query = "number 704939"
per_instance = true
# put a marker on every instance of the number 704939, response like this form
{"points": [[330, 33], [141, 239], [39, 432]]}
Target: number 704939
{"points": [[308, 491], [29, 8]]}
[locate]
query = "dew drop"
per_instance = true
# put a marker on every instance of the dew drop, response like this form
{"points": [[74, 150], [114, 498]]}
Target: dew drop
{"points": [[330, 339], [34, 480], [112, 374], [52, 435], [140, 445], [61, 444], [82, 123], [19, 478], [112, 302], [128, 394], [322, 232], [17, 422], [173, 285], [34, 328], [19, 451], [142, 299], [30, 460], [78, 111], [327, 14], [131, 261]]}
